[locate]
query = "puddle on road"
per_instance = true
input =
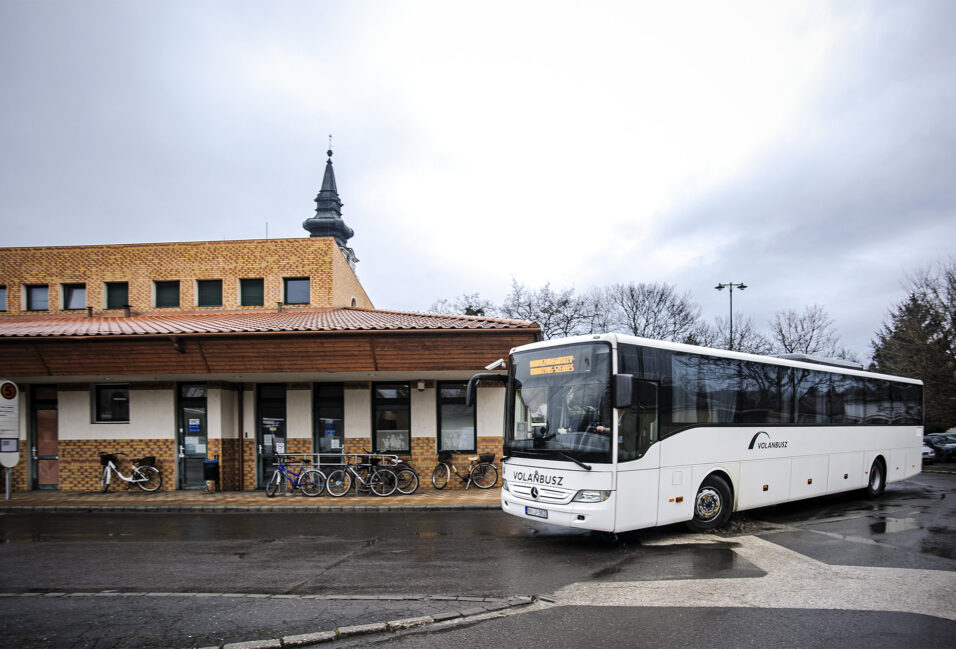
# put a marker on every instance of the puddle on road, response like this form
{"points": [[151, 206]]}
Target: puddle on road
{"points": [[891, 525]]}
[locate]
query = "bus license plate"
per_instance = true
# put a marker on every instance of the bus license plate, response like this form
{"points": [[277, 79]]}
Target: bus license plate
{"points": [[534, 511]]}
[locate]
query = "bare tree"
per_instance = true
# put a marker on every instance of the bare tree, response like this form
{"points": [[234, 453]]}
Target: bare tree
{"points": [[603, 318], [747, 338], [558, 313], [811, 332], [465, 304], [653, 311]]}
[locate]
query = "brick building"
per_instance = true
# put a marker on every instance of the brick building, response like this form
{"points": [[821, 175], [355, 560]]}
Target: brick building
{"points": [[232, 350]]}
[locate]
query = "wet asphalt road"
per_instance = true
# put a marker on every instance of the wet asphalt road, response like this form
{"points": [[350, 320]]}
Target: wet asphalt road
{"points": [[183, 580]]}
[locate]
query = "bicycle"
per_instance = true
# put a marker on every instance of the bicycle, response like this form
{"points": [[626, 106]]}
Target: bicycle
{"points": [[406, 475], [309, 481], [482, 473], [366, 472], [142, 472]]}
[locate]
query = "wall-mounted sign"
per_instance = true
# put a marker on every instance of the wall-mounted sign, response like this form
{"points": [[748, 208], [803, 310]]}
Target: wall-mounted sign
{"points": [[9, 423]]}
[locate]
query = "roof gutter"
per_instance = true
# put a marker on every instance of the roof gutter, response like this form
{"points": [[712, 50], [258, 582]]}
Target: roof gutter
{"points": [[230, 334]]}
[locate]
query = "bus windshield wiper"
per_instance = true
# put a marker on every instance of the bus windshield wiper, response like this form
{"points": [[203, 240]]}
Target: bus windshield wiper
{"points": [[586, 467], [546, 452]]}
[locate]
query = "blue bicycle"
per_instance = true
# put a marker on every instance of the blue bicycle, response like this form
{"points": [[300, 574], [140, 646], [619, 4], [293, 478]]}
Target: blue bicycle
{"points": [[309, 481]]}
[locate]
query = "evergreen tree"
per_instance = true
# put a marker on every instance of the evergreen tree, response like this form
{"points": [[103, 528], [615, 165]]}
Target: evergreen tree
{"points": [[918, 340]]}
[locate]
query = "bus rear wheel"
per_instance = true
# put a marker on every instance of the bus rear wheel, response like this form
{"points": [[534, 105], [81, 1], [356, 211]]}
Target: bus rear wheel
{"points": [[712, 505], [877, 482]]}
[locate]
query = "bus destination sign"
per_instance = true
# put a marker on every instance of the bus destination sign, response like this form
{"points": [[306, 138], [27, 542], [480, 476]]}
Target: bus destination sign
{"points": [[556, 365]]}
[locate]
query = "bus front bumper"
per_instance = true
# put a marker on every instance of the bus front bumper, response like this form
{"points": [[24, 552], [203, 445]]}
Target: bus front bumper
{"points": [[588, 516]]}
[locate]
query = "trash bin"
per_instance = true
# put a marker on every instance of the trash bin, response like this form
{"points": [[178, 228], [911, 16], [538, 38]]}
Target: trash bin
{"points": [[210, 473]]}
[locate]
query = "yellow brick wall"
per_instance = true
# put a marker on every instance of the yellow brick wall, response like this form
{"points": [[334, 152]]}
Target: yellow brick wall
{"points": [[333, 283], [80, 466]]}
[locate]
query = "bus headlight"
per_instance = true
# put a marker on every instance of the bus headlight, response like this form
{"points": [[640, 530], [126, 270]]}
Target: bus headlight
{"points": [[504, 484], [591, 496]]}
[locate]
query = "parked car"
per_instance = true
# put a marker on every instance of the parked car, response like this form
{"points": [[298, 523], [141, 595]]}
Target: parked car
{"points": [[929, 454], [943, 444]]}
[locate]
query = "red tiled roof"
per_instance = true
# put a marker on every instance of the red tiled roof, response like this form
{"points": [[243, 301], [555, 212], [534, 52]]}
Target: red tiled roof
{"points": [[208, 322]]}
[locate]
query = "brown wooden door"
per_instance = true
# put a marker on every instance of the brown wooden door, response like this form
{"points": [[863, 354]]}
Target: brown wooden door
{"points": [[46, 449]]}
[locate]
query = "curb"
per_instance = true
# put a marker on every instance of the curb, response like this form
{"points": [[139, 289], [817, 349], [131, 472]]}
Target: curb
{"points": [[472, 607], [341, 633]]}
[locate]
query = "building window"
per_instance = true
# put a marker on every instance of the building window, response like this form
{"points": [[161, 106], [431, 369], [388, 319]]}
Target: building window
{"points": [[328, 408], [167, 294], [38, 297], [456, 421], [251, 292], [117, 295], [209, 292], [391, 418], [3, 298], [111, 404], [296, 290], [74, 296]]}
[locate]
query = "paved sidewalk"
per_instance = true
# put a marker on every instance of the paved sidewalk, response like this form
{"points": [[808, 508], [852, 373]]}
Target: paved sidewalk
{"points": [[426, 498]]}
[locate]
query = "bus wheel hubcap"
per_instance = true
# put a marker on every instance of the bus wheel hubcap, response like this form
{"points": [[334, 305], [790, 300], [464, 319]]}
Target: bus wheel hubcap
{"points": [[708, 503]]}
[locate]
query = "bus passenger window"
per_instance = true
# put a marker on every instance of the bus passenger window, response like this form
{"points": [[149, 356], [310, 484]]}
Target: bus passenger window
{"points": [[638, 428]]}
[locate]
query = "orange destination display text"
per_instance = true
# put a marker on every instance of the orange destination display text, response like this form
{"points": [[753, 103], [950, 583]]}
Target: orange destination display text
{"points": [[558, 365]]}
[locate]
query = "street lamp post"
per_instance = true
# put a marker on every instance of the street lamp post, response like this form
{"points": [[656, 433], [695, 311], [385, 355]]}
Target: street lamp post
{"points": [[740, 286]]}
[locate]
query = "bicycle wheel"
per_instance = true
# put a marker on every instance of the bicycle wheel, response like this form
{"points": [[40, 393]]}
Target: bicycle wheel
{"points": [[484, 475], [148, 478], [339, 483], [440, 476], [407, 481], [383, 482], [311, 482], [105, 480], [273, 485]]}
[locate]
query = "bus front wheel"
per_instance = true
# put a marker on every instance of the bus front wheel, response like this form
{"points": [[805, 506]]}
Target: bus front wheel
{"points": [[712, 505], [877, 482]]}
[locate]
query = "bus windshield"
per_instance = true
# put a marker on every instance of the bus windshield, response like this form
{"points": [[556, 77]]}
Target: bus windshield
{"points": [[559, 403]]}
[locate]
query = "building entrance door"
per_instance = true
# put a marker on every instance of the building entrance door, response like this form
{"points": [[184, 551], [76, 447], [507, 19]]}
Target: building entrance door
{"points": [[271, 429], [193, 435], [328, 408], [45, 449]]}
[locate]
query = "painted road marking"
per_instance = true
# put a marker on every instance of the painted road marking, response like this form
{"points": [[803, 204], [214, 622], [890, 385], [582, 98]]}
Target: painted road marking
{"points": [[793, 580]]}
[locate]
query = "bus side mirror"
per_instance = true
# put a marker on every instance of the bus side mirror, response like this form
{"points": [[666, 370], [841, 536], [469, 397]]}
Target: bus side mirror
{"points": [[473, 384], [623, 390]]}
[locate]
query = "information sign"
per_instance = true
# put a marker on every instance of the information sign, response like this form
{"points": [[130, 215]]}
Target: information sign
{"points": [[9, 423]]}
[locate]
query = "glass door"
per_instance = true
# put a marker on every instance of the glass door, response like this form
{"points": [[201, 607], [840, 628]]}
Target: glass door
{"points": [[271, 428], [328, 435], [193, 436], [45, 450]]}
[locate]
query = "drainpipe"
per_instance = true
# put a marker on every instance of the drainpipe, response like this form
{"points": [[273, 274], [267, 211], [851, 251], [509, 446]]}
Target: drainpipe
{"points": [[242, 440]]}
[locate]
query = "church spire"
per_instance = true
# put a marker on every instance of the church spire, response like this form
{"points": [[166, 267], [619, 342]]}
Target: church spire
{"points": [[327, 221]]}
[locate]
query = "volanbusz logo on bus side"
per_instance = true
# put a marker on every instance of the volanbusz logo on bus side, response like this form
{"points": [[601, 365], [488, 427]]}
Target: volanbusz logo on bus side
{"points": [[765, 444], [539, 478]]}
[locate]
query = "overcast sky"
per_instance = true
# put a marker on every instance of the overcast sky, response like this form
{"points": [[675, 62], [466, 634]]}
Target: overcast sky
{"points": [[807, 149]]}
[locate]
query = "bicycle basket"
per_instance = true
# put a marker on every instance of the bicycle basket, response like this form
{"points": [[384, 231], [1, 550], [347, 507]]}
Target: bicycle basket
{"points": [[444, 456], [106, 458], [149, 460], [486, 457]]}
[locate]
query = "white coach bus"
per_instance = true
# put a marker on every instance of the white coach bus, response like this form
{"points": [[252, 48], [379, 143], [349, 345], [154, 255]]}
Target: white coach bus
{"points": [[615, 433]]}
